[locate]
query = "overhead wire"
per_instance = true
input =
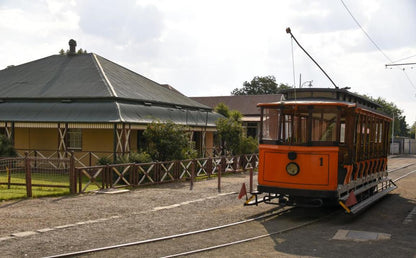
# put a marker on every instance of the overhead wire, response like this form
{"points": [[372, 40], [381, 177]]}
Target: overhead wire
{"points": [[293, 68], [403, 59], [375, 44], [293, 64], [365, 32]]}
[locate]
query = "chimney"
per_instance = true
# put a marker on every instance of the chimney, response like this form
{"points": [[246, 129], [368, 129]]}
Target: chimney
{"points": [[72, 45]]}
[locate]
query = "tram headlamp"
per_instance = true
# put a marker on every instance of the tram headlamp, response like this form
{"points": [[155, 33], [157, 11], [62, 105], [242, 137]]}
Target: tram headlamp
{"points": [[292, 168]]}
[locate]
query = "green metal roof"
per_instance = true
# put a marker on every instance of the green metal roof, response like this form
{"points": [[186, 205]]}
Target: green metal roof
{"points": [[90, 88]]}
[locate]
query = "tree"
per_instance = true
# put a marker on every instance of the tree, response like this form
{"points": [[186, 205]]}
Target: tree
{"points": [[168, 141], [236, 115], [80, 51], [222, 109], [400, 125], [230, 132], [260, 85]]}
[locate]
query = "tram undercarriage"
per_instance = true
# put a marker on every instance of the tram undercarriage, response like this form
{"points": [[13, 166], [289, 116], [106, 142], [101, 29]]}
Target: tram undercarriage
{"points": [[353, 197]]}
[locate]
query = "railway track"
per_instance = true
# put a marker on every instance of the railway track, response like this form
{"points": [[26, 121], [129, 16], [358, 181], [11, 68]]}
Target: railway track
{"points": [[192, 242], [272, 214]]}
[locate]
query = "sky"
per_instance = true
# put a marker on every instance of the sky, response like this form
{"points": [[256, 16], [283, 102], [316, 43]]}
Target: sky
{"points": [[210, 47]]}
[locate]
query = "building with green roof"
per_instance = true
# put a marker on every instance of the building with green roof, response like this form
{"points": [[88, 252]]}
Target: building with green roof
{"points": [[86, 103]]}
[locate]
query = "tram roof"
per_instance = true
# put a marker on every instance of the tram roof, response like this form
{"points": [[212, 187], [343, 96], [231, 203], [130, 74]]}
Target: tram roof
{"points": [[308, 103], [328, 94], [362, 109]]}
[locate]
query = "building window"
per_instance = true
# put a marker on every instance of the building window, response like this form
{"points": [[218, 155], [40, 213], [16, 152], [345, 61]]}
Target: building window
{"points": [[74, 139], [252, 129]]}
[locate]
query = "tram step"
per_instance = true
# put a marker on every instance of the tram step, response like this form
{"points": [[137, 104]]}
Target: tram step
{"points": [[372, 199]]}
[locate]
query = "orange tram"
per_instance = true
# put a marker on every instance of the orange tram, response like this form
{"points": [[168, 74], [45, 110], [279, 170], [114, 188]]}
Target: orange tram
{"points": [[322, 146]]}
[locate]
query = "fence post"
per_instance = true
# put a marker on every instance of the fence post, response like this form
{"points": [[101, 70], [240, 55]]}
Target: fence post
{"points": [[157, 172], [209, 167], [72, 175], [28, 176], [219, 178], [192, 174], [79, 180], [108, 178], [9, 177], [223, 162]]}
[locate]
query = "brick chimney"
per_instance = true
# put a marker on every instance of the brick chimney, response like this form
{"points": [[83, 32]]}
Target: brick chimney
{"points": [[72, 45]]}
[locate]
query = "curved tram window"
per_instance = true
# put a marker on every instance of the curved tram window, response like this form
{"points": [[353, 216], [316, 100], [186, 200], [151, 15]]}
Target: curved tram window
{"points": [[293, 124]]}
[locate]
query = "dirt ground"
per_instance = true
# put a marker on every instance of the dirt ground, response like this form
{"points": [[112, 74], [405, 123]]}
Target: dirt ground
{"points": [[48, 226]]}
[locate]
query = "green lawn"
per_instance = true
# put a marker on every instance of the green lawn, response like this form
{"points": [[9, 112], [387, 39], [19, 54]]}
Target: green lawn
{"points": [[19, 191]]}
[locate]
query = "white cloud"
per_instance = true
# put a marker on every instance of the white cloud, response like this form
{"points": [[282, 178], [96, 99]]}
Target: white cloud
{"points": [[211, 47]]}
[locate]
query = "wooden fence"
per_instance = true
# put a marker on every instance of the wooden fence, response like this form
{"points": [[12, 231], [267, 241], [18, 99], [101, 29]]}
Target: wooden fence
{"points": [[42, 171], [134, 174], [81, 158], [39, 172]]}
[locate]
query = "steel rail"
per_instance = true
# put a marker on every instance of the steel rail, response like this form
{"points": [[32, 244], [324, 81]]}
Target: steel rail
{"points": [[252, 238], [405, 166], [400, 177], [152, 240]]}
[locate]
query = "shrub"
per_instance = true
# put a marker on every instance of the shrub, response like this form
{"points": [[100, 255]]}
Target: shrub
{"points": [[104, 161], [248, 145], [6, 147], [167, 141], [141, 157]]}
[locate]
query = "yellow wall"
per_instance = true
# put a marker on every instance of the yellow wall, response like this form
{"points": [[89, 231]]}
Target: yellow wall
{"points": [[36, 138], [97, 140], [21, 138]]}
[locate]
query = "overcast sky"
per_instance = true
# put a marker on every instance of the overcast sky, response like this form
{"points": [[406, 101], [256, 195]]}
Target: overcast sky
{"points": [[210, 47]]}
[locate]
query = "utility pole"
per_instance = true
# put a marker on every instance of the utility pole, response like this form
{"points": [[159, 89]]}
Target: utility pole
{"points": [[392, 130]]}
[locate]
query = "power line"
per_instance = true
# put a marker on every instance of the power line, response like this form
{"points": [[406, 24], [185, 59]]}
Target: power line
{"points": [[404, 59], [368, 36], [408, 78], [375, 44]]}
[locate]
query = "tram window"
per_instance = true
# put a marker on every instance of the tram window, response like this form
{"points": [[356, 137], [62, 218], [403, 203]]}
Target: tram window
{"points": [[300, 128], [302, 125], [270, 124], [286, 132], [324, 126], [342, 133]]}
